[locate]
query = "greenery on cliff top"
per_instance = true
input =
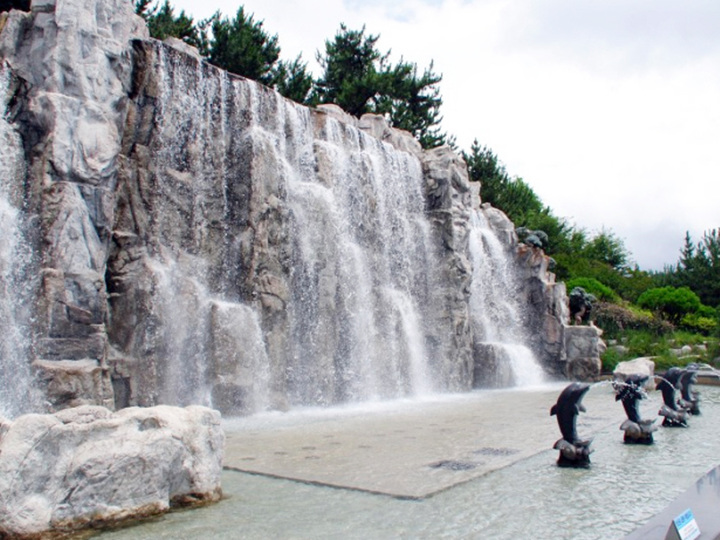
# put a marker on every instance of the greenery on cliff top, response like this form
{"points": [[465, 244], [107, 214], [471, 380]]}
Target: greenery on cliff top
{"points": [[356, 75], [360, 78]]}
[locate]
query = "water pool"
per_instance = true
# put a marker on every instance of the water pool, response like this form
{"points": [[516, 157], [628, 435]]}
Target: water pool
{"points": [[532, 498]]}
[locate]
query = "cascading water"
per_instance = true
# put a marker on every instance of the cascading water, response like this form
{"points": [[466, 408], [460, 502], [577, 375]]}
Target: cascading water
{"points": [[313, 225], [265, 255], [360, 273], [16, 285], [496, 314]]}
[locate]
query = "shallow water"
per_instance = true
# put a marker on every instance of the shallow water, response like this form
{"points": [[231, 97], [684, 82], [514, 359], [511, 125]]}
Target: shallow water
{"points": [[533, 498]]}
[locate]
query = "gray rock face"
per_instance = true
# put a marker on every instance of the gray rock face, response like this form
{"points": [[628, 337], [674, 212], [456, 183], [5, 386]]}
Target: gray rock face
{"points": [[88, 466], [584, 347], [544, 300], [203, 240], [72, 58]]}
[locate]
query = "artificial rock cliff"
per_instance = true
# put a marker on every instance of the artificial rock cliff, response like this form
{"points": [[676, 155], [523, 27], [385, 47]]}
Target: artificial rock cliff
{"points": [[193, 237]]}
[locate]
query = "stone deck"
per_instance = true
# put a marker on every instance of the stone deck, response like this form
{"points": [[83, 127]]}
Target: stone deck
{"points": [[410, 450]]}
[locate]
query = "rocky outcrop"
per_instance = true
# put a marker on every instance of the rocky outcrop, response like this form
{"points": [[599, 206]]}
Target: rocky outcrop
{"points": [[203, 240], [640, 367], [72, 60], [584, 347], [449, 200], [543, 299], [89, 467], [547, 302]]}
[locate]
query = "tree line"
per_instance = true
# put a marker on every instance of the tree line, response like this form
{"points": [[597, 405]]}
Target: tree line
{"points": [[685, 295], [356, 74]]}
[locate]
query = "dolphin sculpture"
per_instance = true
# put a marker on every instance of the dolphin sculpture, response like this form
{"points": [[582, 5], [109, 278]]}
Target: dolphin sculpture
{"points": [[630, 392], [689, 398], [574, 452], [673, 415]]}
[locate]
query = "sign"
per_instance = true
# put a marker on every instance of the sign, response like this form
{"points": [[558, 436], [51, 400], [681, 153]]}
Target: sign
{"points": [[686, 526]]}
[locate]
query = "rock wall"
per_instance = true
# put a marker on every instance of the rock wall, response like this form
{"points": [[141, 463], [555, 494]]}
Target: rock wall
{"points": [[202, 240], [73, 68]]}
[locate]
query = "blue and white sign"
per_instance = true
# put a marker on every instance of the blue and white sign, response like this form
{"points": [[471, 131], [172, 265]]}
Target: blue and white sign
{"points": [[686, 526]]}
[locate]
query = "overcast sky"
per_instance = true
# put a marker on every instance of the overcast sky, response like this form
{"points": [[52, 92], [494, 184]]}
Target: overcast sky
{"points": [[608, 109]]}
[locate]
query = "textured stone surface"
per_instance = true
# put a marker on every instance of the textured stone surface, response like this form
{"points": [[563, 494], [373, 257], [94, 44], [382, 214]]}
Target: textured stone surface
{"points": [[87, 466], [164, 188], [73, 58], [449, 200], [638, 366], [544, 300], [584, 347]]}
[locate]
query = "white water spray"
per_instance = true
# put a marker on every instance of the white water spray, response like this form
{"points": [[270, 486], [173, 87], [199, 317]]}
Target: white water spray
{"points": [[17, 394], [496, 313]]}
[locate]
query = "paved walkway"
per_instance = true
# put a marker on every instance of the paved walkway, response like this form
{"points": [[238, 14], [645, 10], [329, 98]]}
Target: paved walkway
{"points": [[409, 450]]}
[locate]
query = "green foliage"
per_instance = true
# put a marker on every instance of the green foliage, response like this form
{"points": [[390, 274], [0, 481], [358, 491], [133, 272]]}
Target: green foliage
{"points": [[413, 103], [162, 23], [558, 231], [639, 343], [698, 268], [352, 68], [242, 46], [697, 323], [293, 80], [594, 287], [611, 358], [511, 195], [665, 361], [672, 303], [484, 167], [633, 283], [607, 248], [615, 319], [360, 79]]}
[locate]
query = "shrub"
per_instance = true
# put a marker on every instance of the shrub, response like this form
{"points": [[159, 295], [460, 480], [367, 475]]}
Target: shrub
{"points": [[672, 303], [614, 319], [697, 323], [611, 358]]}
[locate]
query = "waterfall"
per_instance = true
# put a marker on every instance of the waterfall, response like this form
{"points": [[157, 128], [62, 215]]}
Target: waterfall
{"points": [[262, 254], [312, 229], [360, 273], [496, 312], [17, 285]]}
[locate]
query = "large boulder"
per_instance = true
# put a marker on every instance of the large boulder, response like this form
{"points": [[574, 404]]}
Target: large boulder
{"points": [[87, 466], [584, 347], [643, 366]]}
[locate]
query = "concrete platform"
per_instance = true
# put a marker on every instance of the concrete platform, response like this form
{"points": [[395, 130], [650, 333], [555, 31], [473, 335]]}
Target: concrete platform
{"points": [[410, 450]]}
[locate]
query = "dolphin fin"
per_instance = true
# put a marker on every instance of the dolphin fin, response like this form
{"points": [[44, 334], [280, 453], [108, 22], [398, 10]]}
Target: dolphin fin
{"points": [[553, 410], [581, 407]]}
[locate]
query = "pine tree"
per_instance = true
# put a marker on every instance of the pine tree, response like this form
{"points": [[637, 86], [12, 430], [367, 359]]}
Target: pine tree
{"points": [[360, 79], [242, 46]]}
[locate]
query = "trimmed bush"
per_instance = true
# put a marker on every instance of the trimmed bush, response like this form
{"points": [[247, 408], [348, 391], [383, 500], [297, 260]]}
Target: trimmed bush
{"points": [[672, 303]]}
